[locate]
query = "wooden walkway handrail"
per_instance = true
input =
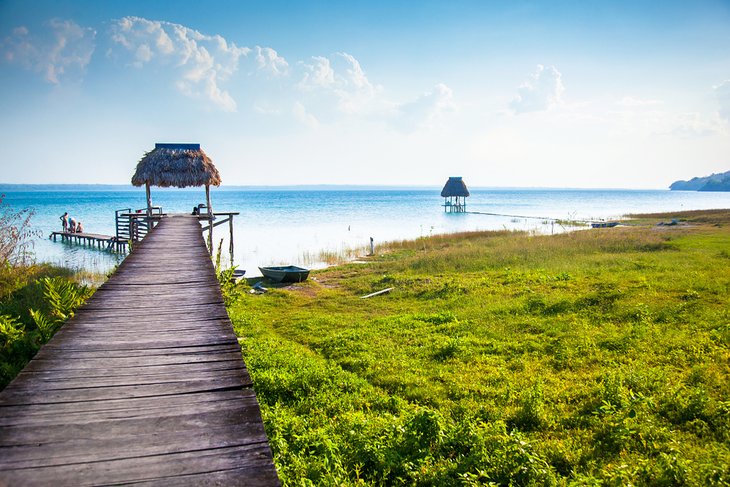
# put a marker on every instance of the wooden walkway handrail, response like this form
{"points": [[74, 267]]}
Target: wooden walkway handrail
{"points": [[144, 385]]}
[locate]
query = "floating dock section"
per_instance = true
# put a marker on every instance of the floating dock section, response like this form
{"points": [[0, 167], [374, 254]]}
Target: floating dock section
{"points": [[105, 242]]}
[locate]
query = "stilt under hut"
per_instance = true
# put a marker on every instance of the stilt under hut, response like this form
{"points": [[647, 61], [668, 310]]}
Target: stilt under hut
{"points": [[455, 193], [181, 166]]}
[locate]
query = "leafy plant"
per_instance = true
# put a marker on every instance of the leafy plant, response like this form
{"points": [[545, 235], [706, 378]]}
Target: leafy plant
{"points": [[47, 303], [229, 288]]}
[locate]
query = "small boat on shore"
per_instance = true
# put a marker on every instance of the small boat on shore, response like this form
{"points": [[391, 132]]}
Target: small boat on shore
{"points": [[604, 224], [289, 273]]}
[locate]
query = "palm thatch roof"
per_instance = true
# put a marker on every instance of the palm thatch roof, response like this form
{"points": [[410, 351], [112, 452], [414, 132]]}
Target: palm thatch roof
{"points": [[179, 165], [454, 187]]}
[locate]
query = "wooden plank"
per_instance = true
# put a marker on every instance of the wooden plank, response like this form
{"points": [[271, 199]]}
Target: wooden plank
{"points": [[28, 395], [152, 468], [176, 352], [143, 426], [144, 385], [76, 450], [17, 414]]}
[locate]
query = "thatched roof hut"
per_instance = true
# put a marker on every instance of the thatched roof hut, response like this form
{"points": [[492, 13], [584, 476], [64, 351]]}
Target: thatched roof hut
{"points": [[454, 187], [178, 165], [454, 194]]}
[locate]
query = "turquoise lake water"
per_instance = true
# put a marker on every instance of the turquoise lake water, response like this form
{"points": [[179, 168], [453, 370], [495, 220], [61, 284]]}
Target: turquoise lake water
{"points": [[278, 226]]}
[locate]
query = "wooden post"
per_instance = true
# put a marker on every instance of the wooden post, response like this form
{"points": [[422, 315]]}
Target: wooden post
{"points": [[149, 198], [230, 230], [149, 202], [210, 218]]}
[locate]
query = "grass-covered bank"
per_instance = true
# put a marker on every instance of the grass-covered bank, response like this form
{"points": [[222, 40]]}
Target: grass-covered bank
{"points": [[35, 299], [594, 357]]}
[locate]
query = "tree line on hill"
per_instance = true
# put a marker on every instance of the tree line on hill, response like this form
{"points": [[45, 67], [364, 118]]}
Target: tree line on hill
{"points": [[713, 182]]}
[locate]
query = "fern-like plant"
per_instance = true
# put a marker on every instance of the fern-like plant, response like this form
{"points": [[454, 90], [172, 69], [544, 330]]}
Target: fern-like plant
{"points": [[62, 298]]}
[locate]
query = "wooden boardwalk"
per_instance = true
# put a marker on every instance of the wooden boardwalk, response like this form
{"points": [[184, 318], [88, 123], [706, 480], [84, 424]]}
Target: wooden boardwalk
{"points": [[144, 385]]}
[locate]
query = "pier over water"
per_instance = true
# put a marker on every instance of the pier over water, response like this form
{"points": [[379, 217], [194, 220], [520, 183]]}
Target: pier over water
{"points": [[145, 384]]}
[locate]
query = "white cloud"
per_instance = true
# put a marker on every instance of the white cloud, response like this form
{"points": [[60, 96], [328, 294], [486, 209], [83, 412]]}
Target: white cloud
{"points": [[319, 74], [198, 63], [337, 86], [541, 92], [722, 91], [339, 81], [425, 109], [301, 114], [269, 61], [63, 50]]}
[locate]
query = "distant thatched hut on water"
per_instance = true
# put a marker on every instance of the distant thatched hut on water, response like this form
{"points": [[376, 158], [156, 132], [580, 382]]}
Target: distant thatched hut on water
{"points": [[178, 165], [455, 193]]}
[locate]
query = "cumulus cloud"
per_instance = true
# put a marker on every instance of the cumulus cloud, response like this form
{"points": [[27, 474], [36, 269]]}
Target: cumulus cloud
{"points": [[199, 63], [337, 85], [541, 92], [62, 50], [342, 79], [722, 91], [317, 74], [269, 61], [423, 111]]}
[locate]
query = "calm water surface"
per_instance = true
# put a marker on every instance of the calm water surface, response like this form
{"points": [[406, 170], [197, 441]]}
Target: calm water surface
{"points": [[294, 226]]}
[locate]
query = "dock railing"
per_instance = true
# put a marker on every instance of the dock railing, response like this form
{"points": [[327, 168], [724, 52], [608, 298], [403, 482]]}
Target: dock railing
{"points": [[134, 225]]}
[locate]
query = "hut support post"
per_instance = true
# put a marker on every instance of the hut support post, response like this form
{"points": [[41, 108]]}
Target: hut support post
{"points": [[210, 219], [149, 198]]}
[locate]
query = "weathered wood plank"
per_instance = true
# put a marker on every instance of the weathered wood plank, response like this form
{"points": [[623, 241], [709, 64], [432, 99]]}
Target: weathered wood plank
{"points": [[156, 468], [28, 395], [144, 427], [14, 414]]}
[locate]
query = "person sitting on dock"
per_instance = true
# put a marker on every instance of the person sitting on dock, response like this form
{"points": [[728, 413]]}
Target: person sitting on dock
{"points": [[64, 221], [71, 225], [79, 228]]}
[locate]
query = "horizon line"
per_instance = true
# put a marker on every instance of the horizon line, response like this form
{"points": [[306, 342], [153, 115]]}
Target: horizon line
{"points": [[323, 187]]}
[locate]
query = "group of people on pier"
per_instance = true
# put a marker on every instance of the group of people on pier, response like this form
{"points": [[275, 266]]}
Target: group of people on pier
{"points": [[70, 225]]}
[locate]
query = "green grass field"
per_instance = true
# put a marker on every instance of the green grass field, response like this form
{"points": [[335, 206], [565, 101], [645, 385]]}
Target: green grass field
{"points": [[597, 357]]}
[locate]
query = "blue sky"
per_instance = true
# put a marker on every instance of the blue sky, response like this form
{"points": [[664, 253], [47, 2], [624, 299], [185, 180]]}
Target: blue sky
{"points": [[546, 94]]}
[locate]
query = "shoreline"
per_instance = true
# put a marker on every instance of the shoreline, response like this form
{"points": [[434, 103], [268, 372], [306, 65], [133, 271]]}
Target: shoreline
{"points": [[296, 227]]}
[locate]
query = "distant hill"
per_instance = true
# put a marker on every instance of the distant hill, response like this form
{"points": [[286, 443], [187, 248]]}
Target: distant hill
{"points": [[714, 182]]}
